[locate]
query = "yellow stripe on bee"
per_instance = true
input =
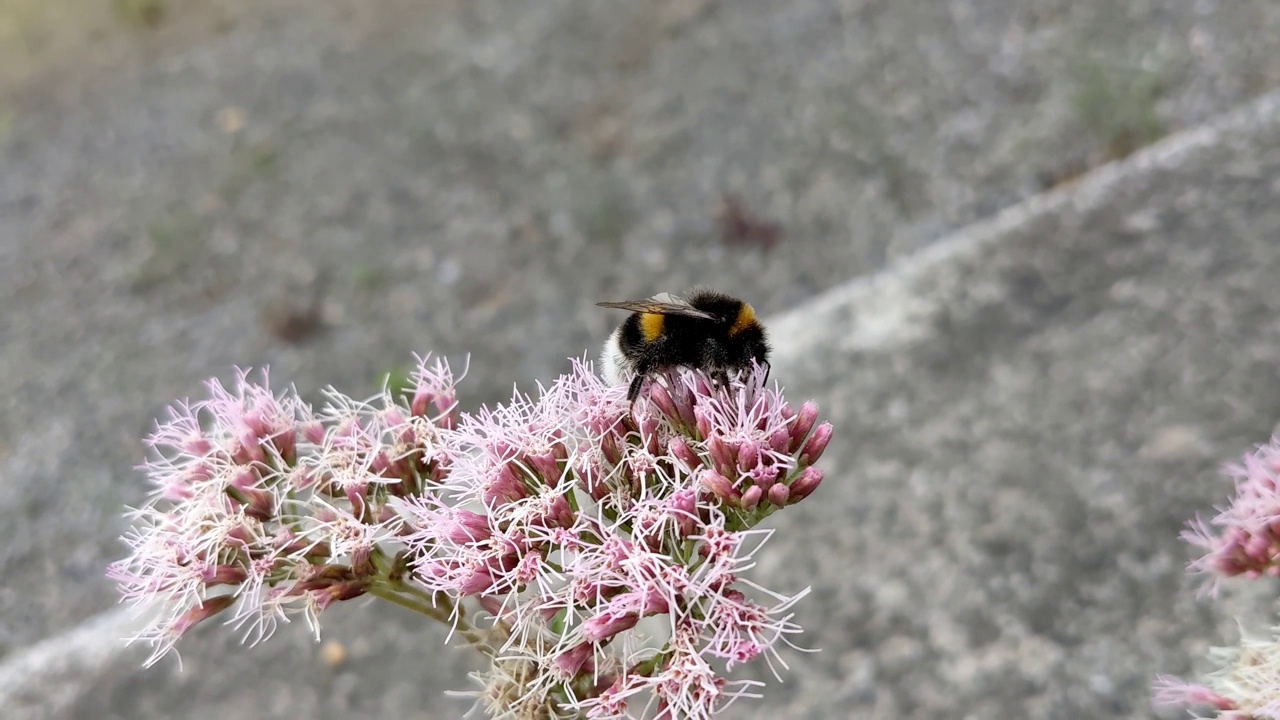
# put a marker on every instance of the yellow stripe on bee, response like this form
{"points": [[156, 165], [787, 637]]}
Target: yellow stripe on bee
{"points": [[746, 318], [650, 326]]}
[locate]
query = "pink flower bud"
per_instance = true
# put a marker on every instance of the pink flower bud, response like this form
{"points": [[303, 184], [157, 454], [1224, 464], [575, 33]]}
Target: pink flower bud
{"points": [[683, 399], [465, 526], [649, 431], [177, 491], [588, 592], [606, 625], [198, 474], [684, 506], [244, 534], [249, 452], [610, 448], [198, 446], [258, 504], [748, 455], [744, 651], [422, 397], [786, 411], [355, 493], [503, 487], [764, 476], [780, 441], [721, 454], [803, 423], [647, 603], [778, 494], [502, 448], [291, 544], [804, 485], [751, 497], [816, 444], [1258, 549], [685, 454], [286, 444], [719, 486], [546, 467], [245, 479], [224, 575], [444, 403], [659, 396], [589, 473], [477, 582], [380, 464], [559, 514], [346, 590], [313, 432], [440, 467], [569, 663], [703, 421], [207, 609], [1170, 692]]}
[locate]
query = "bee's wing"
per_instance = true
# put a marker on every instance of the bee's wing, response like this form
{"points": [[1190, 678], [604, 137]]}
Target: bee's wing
{"points": [[657, 307]]}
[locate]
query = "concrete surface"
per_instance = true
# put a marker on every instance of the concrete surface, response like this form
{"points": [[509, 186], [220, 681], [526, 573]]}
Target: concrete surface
{"points": [[1030, 411], [1032, 407]]}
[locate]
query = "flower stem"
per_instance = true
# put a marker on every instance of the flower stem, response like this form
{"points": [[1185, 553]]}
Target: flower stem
{"points": [[383, 591], [447, 613]]}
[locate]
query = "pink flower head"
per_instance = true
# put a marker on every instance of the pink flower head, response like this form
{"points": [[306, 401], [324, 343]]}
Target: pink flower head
{"points": [[251, 419], [1172, 692], [1244, 538], [608, 545], [434, 390], [164, 635], [257, 514]]}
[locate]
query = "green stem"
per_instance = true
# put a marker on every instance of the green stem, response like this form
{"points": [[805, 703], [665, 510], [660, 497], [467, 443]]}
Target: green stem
{"points": [[392, 593], [648, 667], [571, 497], [381, 590], [429, 598]]}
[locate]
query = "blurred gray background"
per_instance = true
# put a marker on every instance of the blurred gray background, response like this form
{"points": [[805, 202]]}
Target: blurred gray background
{"points": [[1030, 251]]}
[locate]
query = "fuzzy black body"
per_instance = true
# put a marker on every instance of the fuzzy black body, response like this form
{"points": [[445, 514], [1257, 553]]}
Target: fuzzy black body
{"points": [[706, 330]]}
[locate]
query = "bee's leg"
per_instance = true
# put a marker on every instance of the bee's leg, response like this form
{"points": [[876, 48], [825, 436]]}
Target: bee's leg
{"points": [[720, 377], [716, 361], [633, 391], [767, 369], [644, 367]]}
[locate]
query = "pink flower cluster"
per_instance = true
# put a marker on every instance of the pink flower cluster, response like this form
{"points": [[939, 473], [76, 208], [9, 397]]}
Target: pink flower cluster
{"points": [[1241, 540], [1172, 693], [265, 510], [575, 521], [1244, 538], [604, 547]]}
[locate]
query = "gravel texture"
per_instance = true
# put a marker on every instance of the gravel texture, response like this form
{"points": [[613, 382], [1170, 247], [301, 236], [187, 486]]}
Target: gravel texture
{"points": [[1030, 413]]}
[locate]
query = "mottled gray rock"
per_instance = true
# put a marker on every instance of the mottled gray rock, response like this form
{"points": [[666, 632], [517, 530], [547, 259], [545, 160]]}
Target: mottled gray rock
{"points": [[1028, 413]]}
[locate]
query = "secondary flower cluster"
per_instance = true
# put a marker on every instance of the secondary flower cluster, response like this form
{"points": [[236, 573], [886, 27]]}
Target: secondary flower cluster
{"points": [[604, 544], [1241, 540], [1244, 539], [266, 510]]}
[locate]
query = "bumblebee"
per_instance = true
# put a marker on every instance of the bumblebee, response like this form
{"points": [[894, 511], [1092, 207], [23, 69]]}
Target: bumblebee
{"points": [[705, 330]]}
